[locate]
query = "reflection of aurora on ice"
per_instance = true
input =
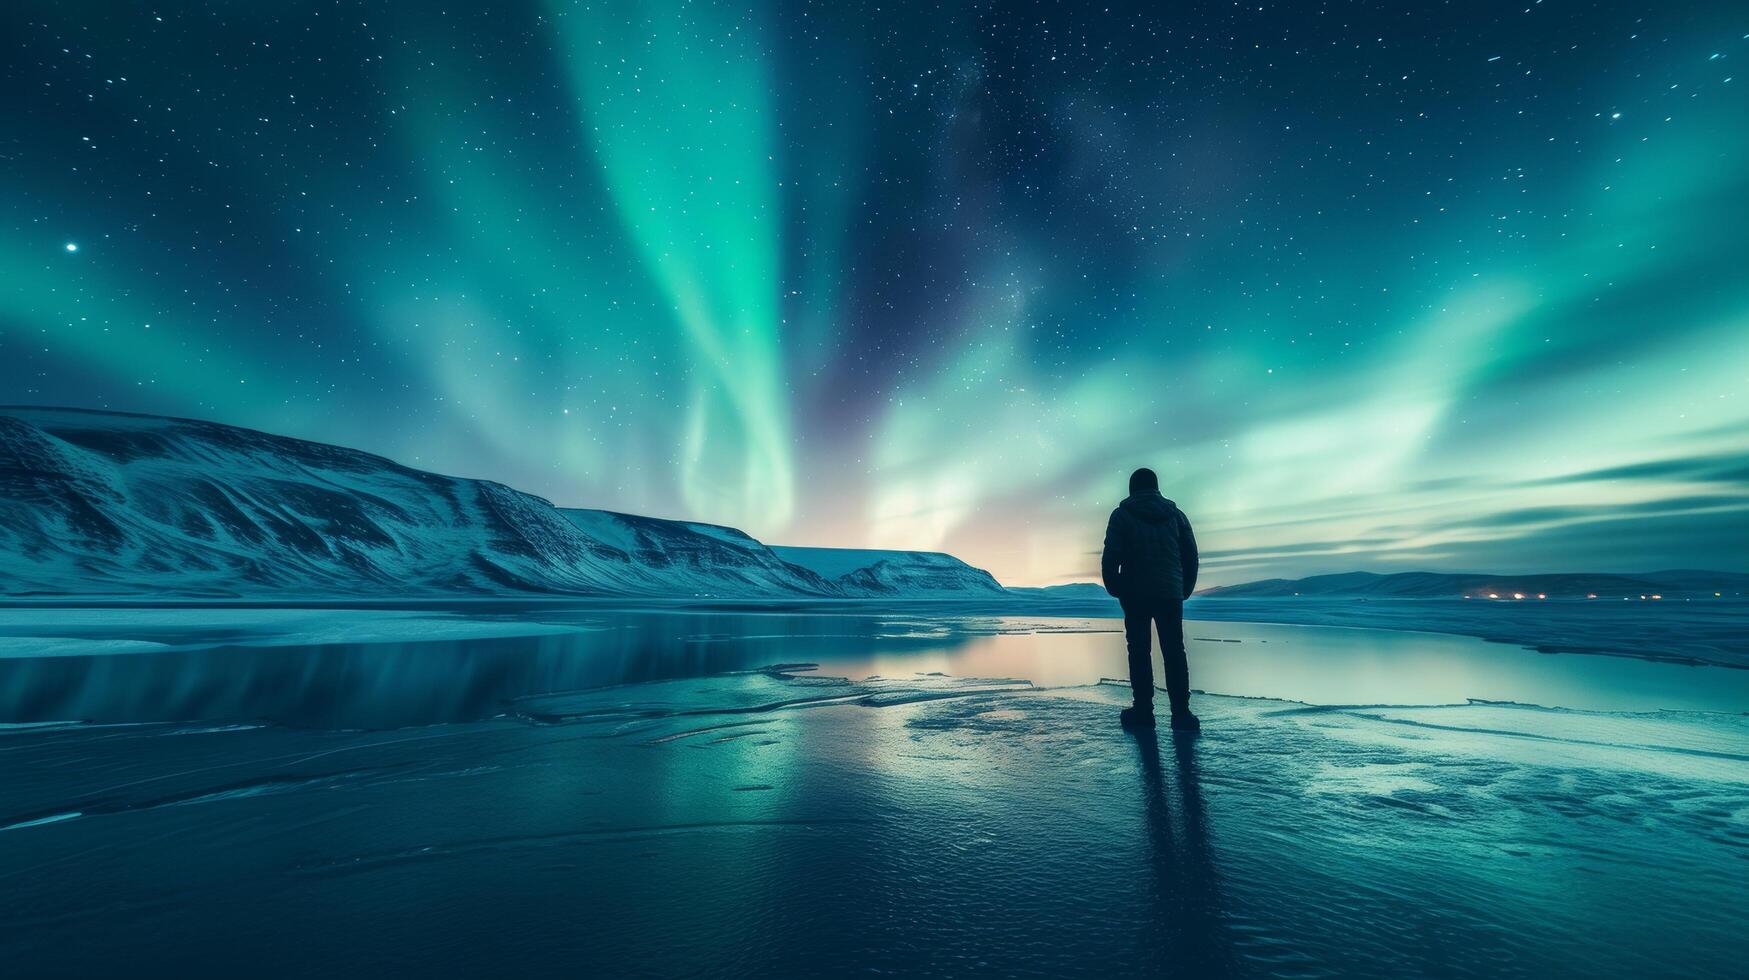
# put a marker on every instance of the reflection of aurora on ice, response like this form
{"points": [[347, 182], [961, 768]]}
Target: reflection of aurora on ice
{"points": [[773, 821], [449, 662]]}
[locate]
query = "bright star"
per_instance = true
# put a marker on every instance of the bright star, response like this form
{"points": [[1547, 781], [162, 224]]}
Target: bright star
{"points": [[72, 246]]}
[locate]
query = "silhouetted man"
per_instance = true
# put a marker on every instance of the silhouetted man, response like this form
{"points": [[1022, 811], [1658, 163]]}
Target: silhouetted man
{"points": [[1150, 566]]}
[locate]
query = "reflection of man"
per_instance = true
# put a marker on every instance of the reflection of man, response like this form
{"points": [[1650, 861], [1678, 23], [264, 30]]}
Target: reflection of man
{"points": [[1187, 895], [1150, 566]]}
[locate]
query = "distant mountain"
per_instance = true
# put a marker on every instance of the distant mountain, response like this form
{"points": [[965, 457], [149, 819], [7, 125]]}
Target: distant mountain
{"points": [[1443, 585], [111, 504], [1078, 591], [893, 573]]}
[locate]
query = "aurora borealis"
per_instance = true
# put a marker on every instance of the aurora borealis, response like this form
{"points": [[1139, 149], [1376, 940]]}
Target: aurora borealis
{"points": [[1376, 286]]}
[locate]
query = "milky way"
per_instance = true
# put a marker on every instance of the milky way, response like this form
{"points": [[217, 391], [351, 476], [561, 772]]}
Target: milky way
{"points": [[1370, 285]]}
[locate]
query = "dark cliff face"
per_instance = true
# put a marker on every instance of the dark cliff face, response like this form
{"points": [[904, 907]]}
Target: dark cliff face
{"points": [[98, 503]]}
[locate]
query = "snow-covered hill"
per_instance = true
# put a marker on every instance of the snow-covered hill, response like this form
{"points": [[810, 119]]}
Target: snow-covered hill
{"points": [[707, 557], [886, 573], [110, 504]]}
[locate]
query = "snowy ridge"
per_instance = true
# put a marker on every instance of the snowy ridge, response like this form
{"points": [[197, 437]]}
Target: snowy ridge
{"points": [[705, 557], [111, 504], [894, 573]]}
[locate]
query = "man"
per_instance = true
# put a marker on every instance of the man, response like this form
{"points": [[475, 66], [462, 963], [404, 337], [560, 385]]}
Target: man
{"points": [[1150, 566]]}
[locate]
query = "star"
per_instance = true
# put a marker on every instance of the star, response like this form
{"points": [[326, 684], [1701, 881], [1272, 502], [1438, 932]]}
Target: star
{"points": [[72, 246]]}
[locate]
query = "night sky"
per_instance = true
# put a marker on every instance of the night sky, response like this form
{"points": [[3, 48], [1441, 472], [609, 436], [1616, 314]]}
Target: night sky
{"points": [[1457, 286]]}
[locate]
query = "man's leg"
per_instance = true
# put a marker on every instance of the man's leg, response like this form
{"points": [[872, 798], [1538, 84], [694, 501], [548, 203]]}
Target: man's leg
{"points": [[1136, 624], [1170, 619]]}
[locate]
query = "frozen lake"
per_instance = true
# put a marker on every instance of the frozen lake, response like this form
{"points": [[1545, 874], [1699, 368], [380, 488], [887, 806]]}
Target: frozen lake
{"points": [[598, 792], [389, 668]]}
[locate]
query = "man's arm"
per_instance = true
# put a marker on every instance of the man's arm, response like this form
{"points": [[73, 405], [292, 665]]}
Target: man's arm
{"points": [[1187, 553], [1111, 561]]}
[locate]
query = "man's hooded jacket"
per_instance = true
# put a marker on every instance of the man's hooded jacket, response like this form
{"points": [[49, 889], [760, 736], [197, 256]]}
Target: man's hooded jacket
{"points": [[1150, 552]]}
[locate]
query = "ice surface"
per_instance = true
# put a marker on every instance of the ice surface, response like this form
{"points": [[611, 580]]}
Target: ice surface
{"points": [[1709, 631], [363, 668], [774, 821], [98, 631]]}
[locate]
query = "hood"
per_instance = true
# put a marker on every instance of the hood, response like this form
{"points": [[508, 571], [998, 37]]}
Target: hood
{"points": [[1149, 506]]}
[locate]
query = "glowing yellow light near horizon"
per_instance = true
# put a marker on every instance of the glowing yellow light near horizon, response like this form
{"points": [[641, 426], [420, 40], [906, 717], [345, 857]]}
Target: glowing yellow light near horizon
{"points": [[1540, 595], [1517, 595], [1493, 595], [1590, 595], [1657, 597]]}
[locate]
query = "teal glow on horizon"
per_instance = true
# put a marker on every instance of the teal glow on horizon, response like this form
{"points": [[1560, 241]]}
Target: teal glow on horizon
{"points": [[1446, 289]]}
